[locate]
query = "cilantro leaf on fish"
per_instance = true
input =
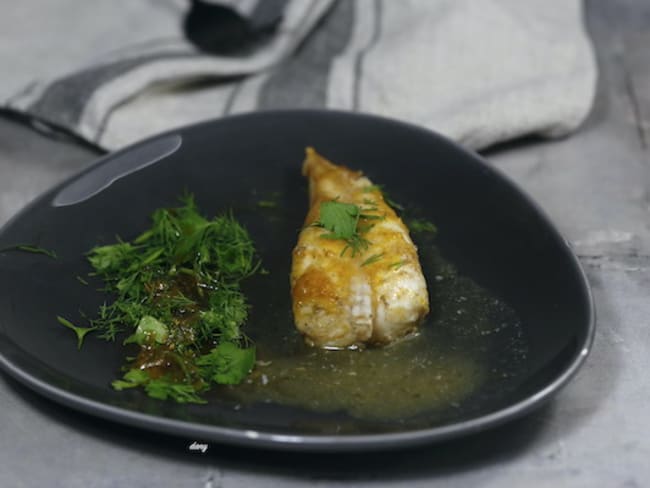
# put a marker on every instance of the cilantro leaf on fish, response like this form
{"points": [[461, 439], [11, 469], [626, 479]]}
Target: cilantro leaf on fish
{"points": [[342, 222]]}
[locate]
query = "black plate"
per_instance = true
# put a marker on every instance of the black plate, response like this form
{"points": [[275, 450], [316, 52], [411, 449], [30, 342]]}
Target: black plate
{"points": [[488, 228]]}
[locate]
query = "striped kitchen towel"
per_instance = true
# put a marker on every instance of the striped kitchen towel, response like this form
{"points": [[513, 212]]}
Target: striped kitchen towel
{"points": [[116, 71]]}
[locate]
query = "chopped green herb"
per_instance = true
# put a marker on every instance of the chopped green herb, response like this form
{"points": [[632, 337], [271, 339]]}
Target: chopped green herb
{"points": [[423, 226], [159, 388], [267, 204], [176, 288], [398, 264], [387, 199], [31, 249], [79, 331], [393, 203], [81, 280], [112, 257], [227, 364], [162, 389], [131, 379], [373, 259]]}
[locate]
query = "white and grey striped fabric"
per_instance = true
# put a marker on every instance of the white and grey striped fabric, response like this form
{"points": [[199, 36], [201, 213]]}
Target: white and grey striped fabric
{"points": [[481, 72]]}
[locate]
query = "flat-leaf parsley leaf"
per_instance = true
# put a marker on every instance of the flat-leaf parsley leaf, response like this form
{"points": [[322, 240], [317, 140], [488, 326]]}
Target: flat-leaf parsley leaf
{"points": [[342, 222]]}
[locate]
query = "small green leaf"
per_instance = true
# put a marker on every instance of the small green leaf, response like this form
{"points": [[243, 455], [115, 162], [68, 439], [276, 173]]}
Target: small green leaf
{"points": [[342, 220], [339, 218], [162, 389], [79, 331], [227, 364], [131, 379], [148, 327]]}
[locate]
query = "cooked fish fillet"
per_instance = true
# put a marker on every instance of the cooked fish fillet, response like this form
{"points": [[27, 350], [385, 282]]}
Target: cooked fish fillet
{"points": [[374, 297]]}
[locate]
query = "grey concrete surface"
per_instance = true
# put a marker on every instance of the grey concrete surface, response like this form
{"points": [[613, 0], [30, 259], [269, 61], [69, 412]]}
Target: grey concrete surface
{"points": [[596, 433]]}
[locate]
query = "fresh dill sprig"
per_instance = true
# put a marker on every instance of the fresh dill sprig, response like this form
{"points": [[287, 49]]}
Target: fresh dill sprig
{"points": [[372, 259], [397, 264], [31, 249], [380, 189]]}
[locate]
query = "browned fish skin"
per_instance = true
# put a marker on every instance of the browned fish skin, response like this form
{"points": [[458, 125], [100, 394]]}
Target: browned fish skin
{"points": [[343, 300]]}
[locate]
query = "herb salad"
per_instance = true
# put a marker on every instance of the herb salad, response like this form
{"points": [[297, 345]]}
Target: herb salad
{"points": [[177, 293]]}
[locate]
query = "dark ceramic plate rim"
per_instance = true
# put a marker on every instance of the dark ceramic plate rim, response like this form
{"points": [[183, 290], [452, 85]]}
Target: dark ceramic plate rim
{"points": [[268, 439]]}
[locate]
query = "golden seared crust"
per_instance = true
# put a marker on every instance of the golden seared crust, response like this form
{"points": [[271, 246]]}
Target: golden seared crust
{"points": [[340, 300]]}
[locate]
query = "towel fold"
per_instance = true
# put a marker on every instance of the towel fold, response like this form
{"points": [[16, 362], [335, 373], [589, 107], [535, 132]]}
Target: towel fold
{"points": [[479, 72]]}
